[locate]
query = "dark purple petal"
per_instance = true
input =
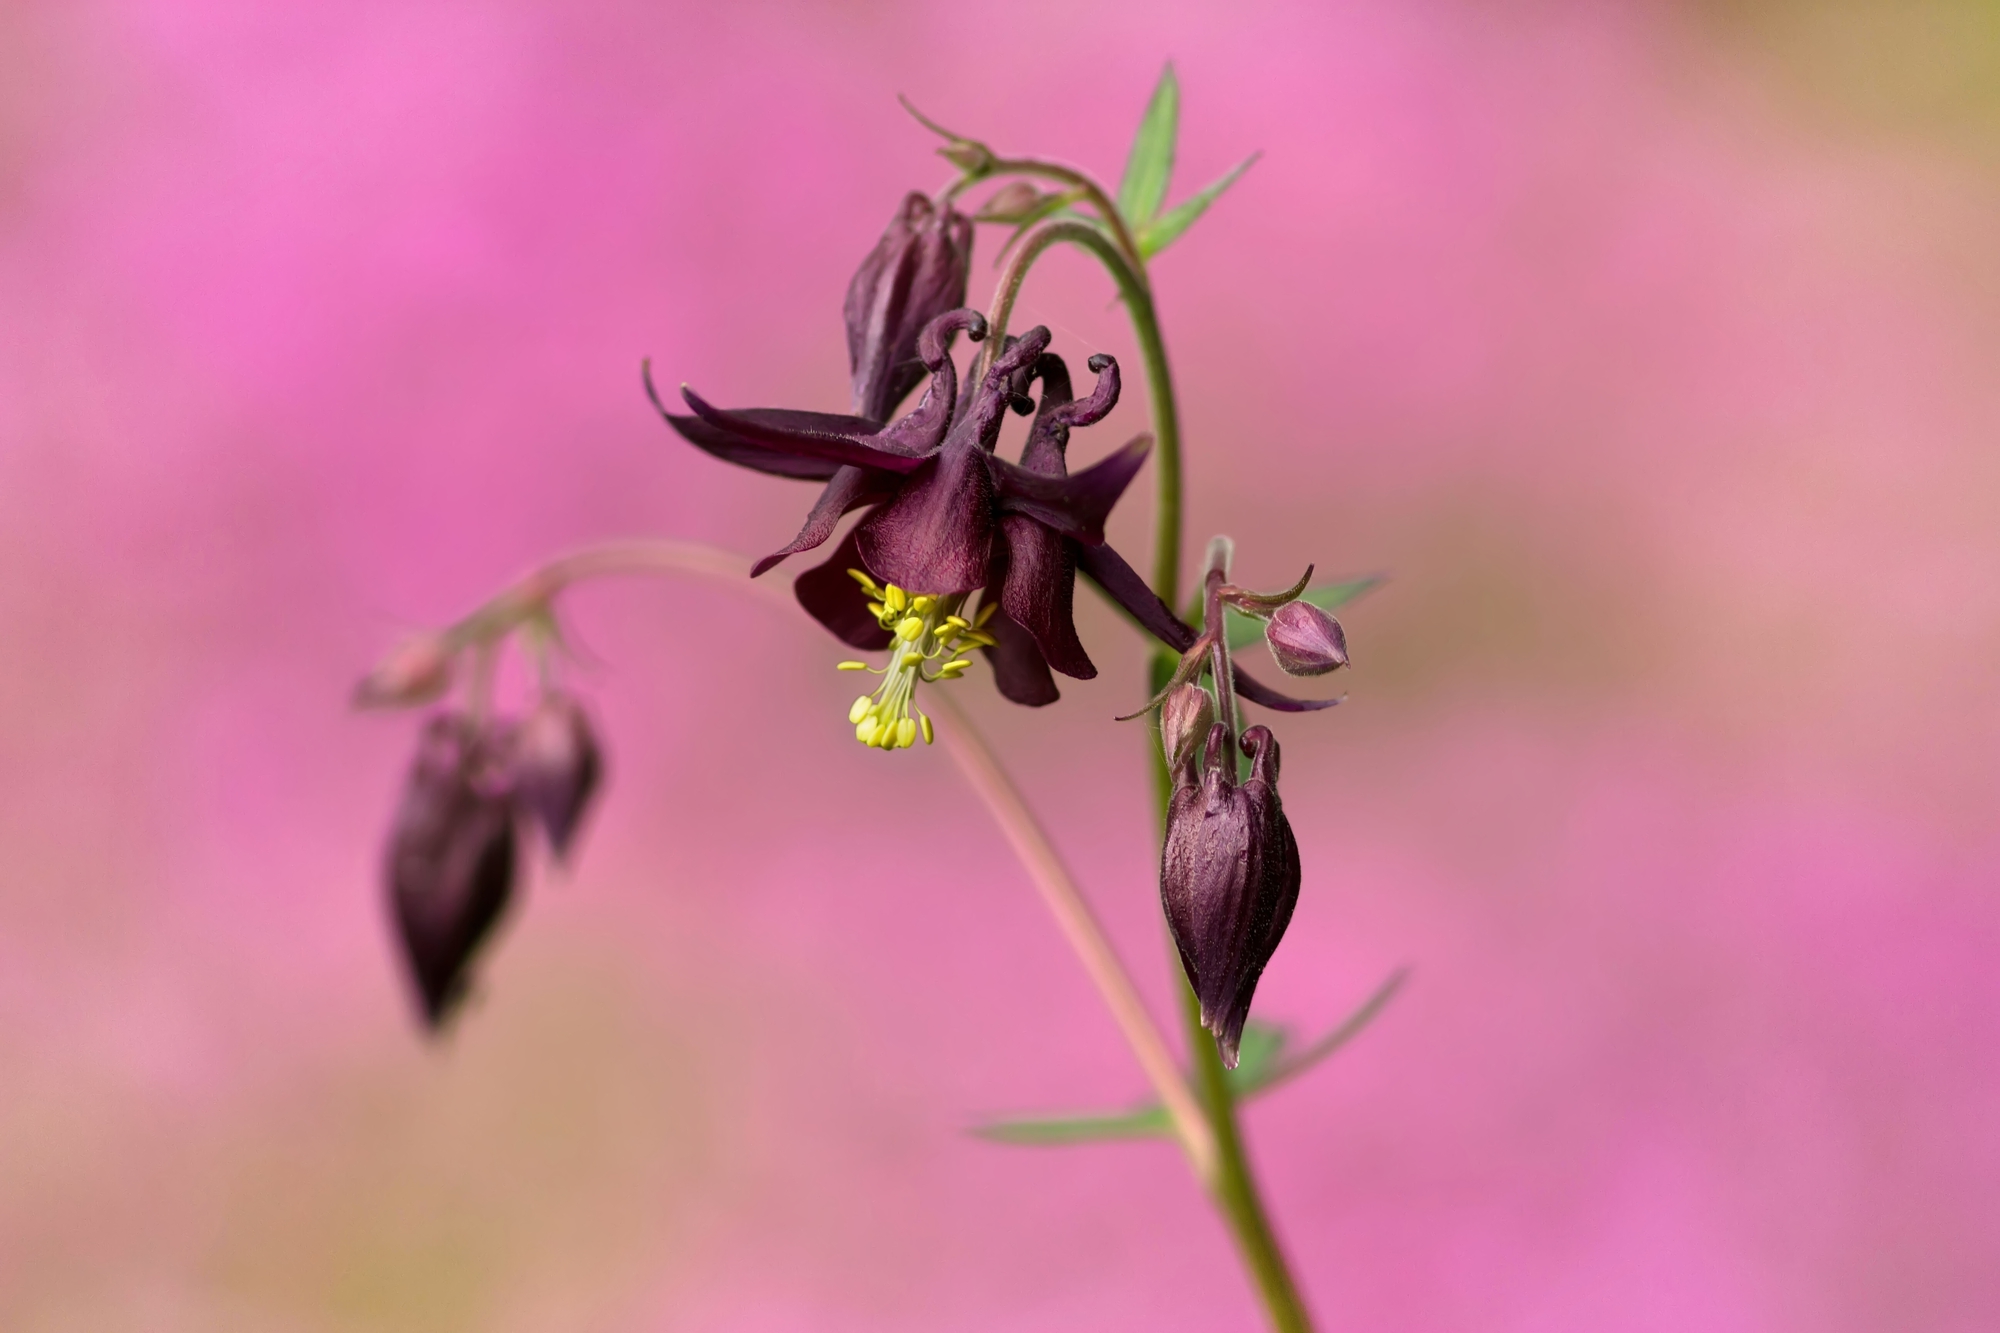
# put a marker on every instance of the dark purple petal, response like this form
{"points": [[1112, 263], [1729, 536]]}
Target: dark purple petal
{"points": [[936, 536], [450, 860], [1019, 672], [1038, 591], [554, 762], [916, 271], [850, 488], [808, 434], [733, 448], [1257, 692], [1076, 505], [832, 597]]}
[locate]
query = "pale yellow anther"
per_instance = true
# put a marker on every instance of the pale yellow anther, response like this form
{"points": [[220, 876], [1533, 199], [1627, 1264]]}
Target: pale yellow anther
{"points": [[958, 622], [895, 597], [910, 660], [860, 708], [929, 734], [985, 614], [922, 602], [860, 576], [978, 640], [906, 733], [909, 629], [851, 666], [877, 610], [864, 731]]}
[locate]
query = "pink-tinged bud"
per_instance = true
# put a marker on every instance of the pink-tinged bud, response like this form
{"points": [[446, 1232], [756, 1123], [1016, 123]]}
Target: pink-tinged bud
{"points": [[555, 764], [450, 862], [1185, 718], [1305, 641], [416, 671], [1011, 203]]}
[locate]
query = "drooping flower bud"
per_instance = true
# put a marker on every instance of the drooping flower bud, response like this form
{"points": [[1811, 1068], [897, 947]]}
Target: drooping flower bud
{"points": [[1229, 876], [554, 762], [1186, 714], [1305, 641], [416, 671], [450, 862], [915, 273]]}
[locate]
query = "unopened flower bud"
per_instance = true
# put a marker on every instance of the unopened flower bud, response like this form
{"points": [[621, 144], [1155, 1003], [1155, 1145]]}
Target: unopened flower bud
{"points": [[416, 671], [1011, 203], [1185, 717], [1229, 877], [1305, 641], [450, 863], [555, 765], [915, 273]]}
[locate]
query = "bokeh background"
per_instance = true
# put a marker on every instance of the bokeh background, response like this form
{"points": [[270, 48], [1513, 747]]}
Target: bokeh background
{"points": [[1653, 350]]}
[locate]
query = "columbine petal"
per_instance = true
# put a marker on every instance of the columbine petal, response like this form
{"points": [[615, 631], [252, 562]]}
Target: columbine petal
{"points": [[1076, 505], [850, 488], [808, 434], [1019, 672], [936, 536], [830, 595], [733, 448]]}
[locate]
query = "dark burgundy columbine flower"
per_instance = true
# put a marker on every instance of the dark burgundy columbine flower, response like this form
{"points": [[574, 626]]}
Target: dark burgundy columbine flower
{"points": [[450, 862], [1229, 874]]}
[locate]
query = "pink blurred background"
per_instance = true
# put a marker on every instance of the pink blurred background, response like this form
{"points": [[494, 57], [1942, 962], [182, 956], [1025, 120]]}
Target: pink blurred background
{"points": [[1654, 351]]}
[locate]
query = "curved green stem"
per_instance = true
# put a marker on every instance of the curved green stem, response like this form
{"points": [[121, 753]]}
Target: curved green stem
{"points": [[1232, 1186]]}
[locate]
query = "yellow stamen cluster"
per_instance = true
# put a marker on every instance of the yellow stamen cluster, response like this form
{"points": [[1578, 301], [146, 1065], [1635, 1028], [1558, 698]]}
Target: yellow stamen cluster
{"points": [[929, 645]]}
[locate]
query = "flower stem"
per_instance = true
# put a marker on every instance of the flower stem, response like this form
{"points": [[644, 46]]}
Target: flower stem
{"points": [[1086, 937]]}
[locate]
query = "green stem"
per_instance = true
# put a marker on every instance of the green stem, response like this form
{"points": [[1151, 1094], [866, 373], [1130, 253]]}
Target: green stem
{"points": [[1231, 1185]]}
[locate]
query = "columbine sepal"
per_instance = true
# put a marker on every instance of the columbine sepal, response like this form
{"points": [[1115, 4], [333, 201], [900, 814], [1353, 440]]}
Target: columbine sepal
{"points": [[554, 763], [1229, 875], [450, 859]]}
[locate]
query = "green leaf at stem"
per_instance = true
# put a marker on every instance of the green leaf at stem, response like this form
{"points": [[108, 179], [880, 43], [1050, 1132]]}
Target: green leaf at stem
{"points": [[1262, 1064], [1151, 163], [1247, 631], [1157, 233]]}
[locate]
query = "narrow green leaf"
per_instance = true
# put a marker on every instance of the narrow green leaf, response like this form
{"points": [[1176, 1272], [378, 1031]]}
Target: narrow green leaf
{"points": [[1151, 163], [1156, 234], [1281, 1068], [1247, 631], [1256, 1055], [1145, 1122]]}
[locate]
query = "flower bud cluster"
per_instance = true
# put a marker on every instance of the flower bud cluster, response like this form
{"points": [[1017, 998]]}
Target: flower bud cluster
{"points": [[453, 853]]}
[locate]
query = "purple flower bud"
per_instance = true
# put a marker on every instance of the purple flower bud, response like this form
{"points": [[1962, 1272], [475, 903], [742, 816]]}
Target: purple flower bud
{"points": [[553, 759], [1185, 717], [1229, 876], [416, 671], [450, 862], [1305, 641], [915, 273]]}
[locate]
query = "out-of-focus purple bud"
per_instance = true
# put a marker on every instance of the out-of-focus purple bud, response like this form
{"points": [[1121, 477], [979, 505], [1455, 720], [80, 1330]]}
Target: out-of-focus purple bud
{"points": [[1185, 717], [1011, 203], [555, 765], [915, 273], [1305, 641], [450, 863], [1229, 876], [416, 671]]}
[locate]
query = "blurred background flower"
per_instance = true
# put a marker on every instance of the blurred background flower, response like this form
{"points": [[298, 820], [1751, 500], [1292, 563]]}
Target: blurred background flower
{"points": [[1651, 348]]}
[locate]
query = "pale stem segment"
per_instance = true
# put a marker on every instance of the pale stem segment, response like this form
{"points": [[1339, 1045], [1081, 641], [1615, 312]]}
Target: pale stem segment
{"points": [[1086, 937]]}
